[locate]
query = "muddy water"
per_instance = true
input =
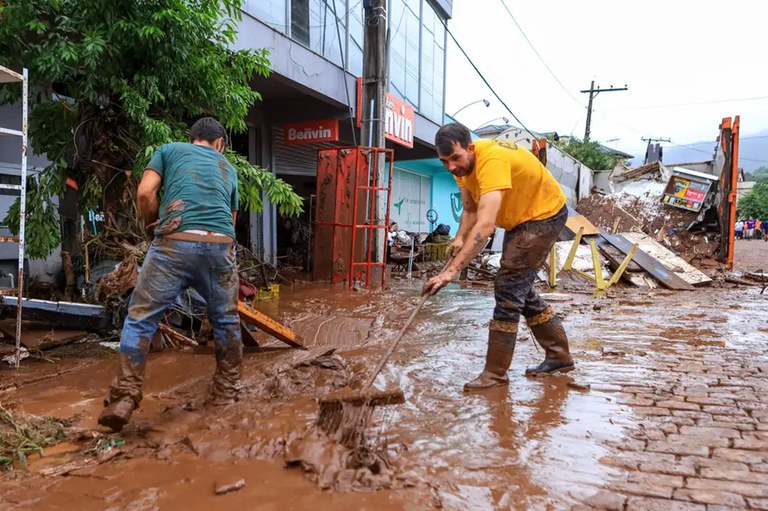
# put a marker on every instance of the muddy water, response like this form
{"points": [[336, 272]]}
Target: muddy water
{"points": [[536, 444]]}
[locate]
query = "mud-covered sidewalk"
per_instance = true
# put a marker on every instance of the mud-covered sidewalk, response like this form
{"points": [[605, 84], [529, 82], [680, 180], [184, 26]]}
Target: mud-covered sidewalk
{"points": [[667, 409]]}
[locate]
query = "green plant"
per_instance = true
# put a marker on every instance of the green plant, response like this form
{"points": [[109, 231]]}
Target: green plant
{"points": [[21, 436], [110, 81], [589, 153]]}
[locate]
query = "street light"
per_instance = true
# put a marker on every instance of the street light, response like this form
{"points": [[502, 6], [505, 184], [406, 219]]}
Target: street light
{"points": [[484, 101], [506, 121]]}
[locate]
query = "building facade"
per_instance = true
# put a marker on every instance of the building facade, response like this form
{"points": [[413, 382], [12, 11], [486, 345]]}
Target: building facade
{"points": [[310, 100]]}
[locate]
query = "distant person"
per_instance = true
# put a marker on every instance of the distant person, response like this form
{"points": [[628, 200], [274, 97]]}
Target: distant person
{"points": [[764, 225], [749, 228], [739, 229], [758, 229]]}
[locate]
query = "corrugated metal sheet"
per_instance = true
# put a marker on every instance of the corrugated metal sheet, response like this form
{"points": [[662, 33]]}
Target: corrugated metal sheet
{"points": [[298, 160]]}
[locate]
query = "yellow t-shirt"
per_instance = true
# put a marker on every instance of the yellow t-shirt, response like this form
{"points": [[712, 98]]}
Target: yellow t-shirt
{"points": [[530, 191]]}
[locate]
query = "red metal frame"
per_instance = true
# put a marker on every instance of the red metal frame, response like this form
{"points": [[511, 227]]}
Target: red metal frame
{"points": [[361, 163]]}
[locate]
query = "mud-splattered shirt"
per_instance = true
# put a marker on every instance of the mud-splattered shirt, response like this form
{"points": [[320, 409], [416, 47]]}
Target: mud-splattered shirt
{"points": [[199, 189], [529, 191]]}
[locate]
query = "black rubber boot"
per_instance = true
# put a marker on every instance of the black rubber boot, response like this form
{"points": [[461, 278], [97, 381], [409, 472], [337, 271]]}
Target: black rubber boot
{"points": [[551, 336], [501, 348], [124, 395]]}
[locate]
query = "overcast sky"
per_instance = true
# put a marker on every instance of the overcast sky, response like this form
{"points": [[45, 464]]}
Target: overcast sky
{"points": [[681, 59]]}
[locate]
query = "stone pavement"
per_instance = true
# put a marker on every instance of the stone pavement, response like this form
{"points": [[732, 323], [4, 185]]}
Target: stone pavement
{"points": [[702, 442]]}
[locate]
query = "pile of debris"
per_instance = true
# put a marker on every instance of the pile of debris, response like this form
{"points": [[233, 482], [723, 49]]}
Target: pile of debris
{"points": [[638, 205]]}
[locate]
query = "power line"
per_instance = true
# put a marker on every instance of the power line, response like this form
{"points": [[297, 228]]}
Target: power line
{"points": [[539, 56], [483, 78]]}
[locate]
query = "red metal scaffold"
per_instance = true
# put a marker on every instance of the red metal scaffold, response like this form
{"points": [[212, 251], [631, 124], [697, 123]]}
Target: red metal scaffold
{"points": [[341, 252]]}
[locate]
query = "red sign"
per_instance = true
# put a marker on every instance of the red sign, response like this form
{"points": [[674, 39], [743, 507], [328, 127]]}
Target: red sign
{"points": [[297, 133], [399, 117]]}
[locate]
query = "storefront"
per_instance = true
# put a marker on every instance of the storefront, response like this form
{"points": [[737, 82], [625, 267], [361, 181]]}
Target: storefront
{"points": [[309, 102]]}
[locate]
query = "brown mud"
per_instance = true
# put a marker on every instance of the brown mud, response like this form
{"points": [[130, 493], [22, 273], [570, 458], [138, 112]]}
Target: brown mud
{"points": [[537, 444]]}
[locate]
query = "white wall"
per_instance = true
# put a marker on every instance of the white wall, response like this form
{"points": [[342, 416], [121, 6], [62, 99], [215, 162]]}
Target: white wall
{"points": [[566, 170], [10, 164]]}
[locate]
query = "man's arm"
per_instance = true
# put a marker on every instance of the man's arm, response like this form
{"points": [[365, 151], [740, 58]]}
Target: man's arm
{"points": [[478, 235], [147, 196], [234, 217], [481, 230]]}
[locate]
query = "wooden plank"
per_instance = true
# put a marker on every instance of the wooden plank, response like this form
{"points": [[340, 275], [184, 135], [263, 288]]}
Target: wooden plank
{"points": [[672, 262], [578, 221], [269, 325], [667, 277]]}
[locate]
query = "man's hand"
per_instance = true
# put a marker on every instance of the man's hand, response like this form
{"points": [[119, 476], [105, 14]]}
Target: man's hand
{"points": [[454, 248], [438, 282]]}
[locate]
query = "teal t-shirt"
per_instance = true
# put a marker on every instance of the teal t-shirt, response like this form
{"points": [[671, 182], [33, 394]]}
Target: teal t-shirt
{"points": [[199, 189]]}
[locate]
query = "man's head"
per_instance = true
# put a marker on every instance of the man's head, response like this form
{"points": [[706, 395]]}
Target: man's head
{"points": [[208, 131], [455, 149]]}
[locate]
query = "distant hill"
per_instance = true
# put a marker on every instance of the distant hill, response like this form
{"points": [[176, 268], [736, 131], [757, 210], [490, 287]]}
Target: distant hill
{"points": [[753, 152]]}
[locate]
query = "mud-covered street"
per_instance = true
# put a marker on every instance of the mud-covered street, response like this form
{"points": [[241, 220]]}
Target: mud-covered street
{"points": [[667, 410]]}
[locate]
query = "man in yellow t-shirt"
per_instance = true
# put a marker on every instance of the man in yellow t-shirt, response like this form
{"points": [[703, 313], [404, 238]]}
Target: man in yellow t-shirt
{"points": [[505, 185]]}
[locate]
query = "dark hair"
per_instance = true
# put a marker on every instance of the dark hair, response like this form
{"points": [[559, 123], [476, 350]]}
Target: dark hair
{"points": [[450, 133], [208, 129]]}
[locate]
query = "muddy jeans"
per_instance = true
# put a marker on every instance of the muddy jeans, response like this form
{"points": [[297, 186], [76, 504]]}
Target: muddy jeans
{"points": [[526, 247], [171, 266]]}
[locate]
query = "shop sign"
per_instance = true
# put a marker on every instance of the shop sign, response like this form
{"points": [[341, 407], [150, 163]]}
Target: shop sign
{"points": [[687, 189], [399, 117], [326, 130]]}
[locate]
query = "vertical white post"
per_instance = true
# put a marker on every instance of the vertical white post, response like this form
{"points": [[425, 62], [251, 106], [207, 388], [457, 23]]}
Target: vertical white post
{"points": [[22, 210]]}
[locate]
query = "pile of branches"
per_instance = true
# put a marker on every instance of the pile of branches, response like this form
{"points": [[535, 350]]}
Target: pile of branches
{"points": [[21, 436]]}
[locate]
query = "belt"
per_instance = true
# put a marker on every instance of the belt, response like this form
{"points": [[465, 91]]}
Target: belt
{"points": [[206, 238]]}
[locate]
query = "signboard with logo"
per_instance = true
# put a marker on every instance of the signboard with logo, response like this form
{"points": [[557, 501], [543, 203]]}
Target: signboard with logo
{"points": [[310, 132], [687, 189], [399, 117]]}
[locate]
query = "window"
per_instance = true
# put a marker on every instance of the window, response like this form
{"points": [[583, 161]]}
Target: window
{"points": [[417, 56], [270, 12], [300, 21]]}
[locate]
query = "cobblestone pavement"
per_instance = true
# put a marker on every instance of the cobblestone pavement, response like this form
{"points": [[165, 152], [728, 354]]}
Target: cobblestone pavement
{"points": [[751, 255], [702, 400]]}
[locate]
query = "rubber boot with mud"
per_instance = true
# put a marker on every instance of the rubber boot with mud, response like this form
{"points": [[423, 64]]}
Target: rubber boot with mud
{"points": [[226, 380], [501, 348], [124, 395], [551, 336]]}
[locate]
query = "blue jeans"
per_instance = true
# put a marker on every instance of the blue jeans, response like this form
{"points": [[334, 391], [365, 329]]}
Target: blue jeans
{"points": [[170, 267]]}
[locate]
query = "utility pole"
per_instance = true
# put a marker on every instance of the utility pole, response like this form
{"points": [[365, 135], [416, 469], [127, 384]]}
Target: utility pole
{"points": [[648, 148], [375, 84], [592, 95]]}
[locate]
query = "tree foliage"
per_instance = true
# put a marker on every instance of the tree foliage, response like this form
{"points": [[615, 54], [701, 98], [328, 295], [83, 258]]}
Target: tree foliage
{"points": [[589, 153], [755, 203], [111, 80], [759, 174]]}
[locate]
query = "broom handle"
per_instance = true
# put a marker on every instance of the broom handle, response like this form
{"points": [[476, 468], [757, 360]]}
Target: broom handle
{"points": [[393, 344]]}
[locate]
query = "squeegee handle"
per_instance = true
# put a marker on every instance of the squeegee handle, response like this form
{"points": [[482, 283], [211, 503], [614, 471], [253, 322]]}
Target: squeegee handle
{"points": [[394, 342]]}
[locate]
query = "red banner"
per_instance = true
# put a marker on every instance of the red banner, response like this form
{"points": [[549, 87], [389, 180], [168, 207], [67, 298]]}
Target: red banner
{"points": [[398, 115]]}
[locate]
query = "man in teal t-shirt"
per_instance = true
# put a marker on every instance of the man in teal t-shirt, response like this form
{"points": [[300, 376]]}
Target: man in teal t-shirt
{"points": [[193, 246]]}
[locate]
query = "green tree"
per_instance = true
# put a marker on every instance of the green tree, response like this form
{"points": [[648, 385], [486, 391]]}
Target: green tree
{"points": [[755, 203], [589, 153], [111, 80], [759, 174]]}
